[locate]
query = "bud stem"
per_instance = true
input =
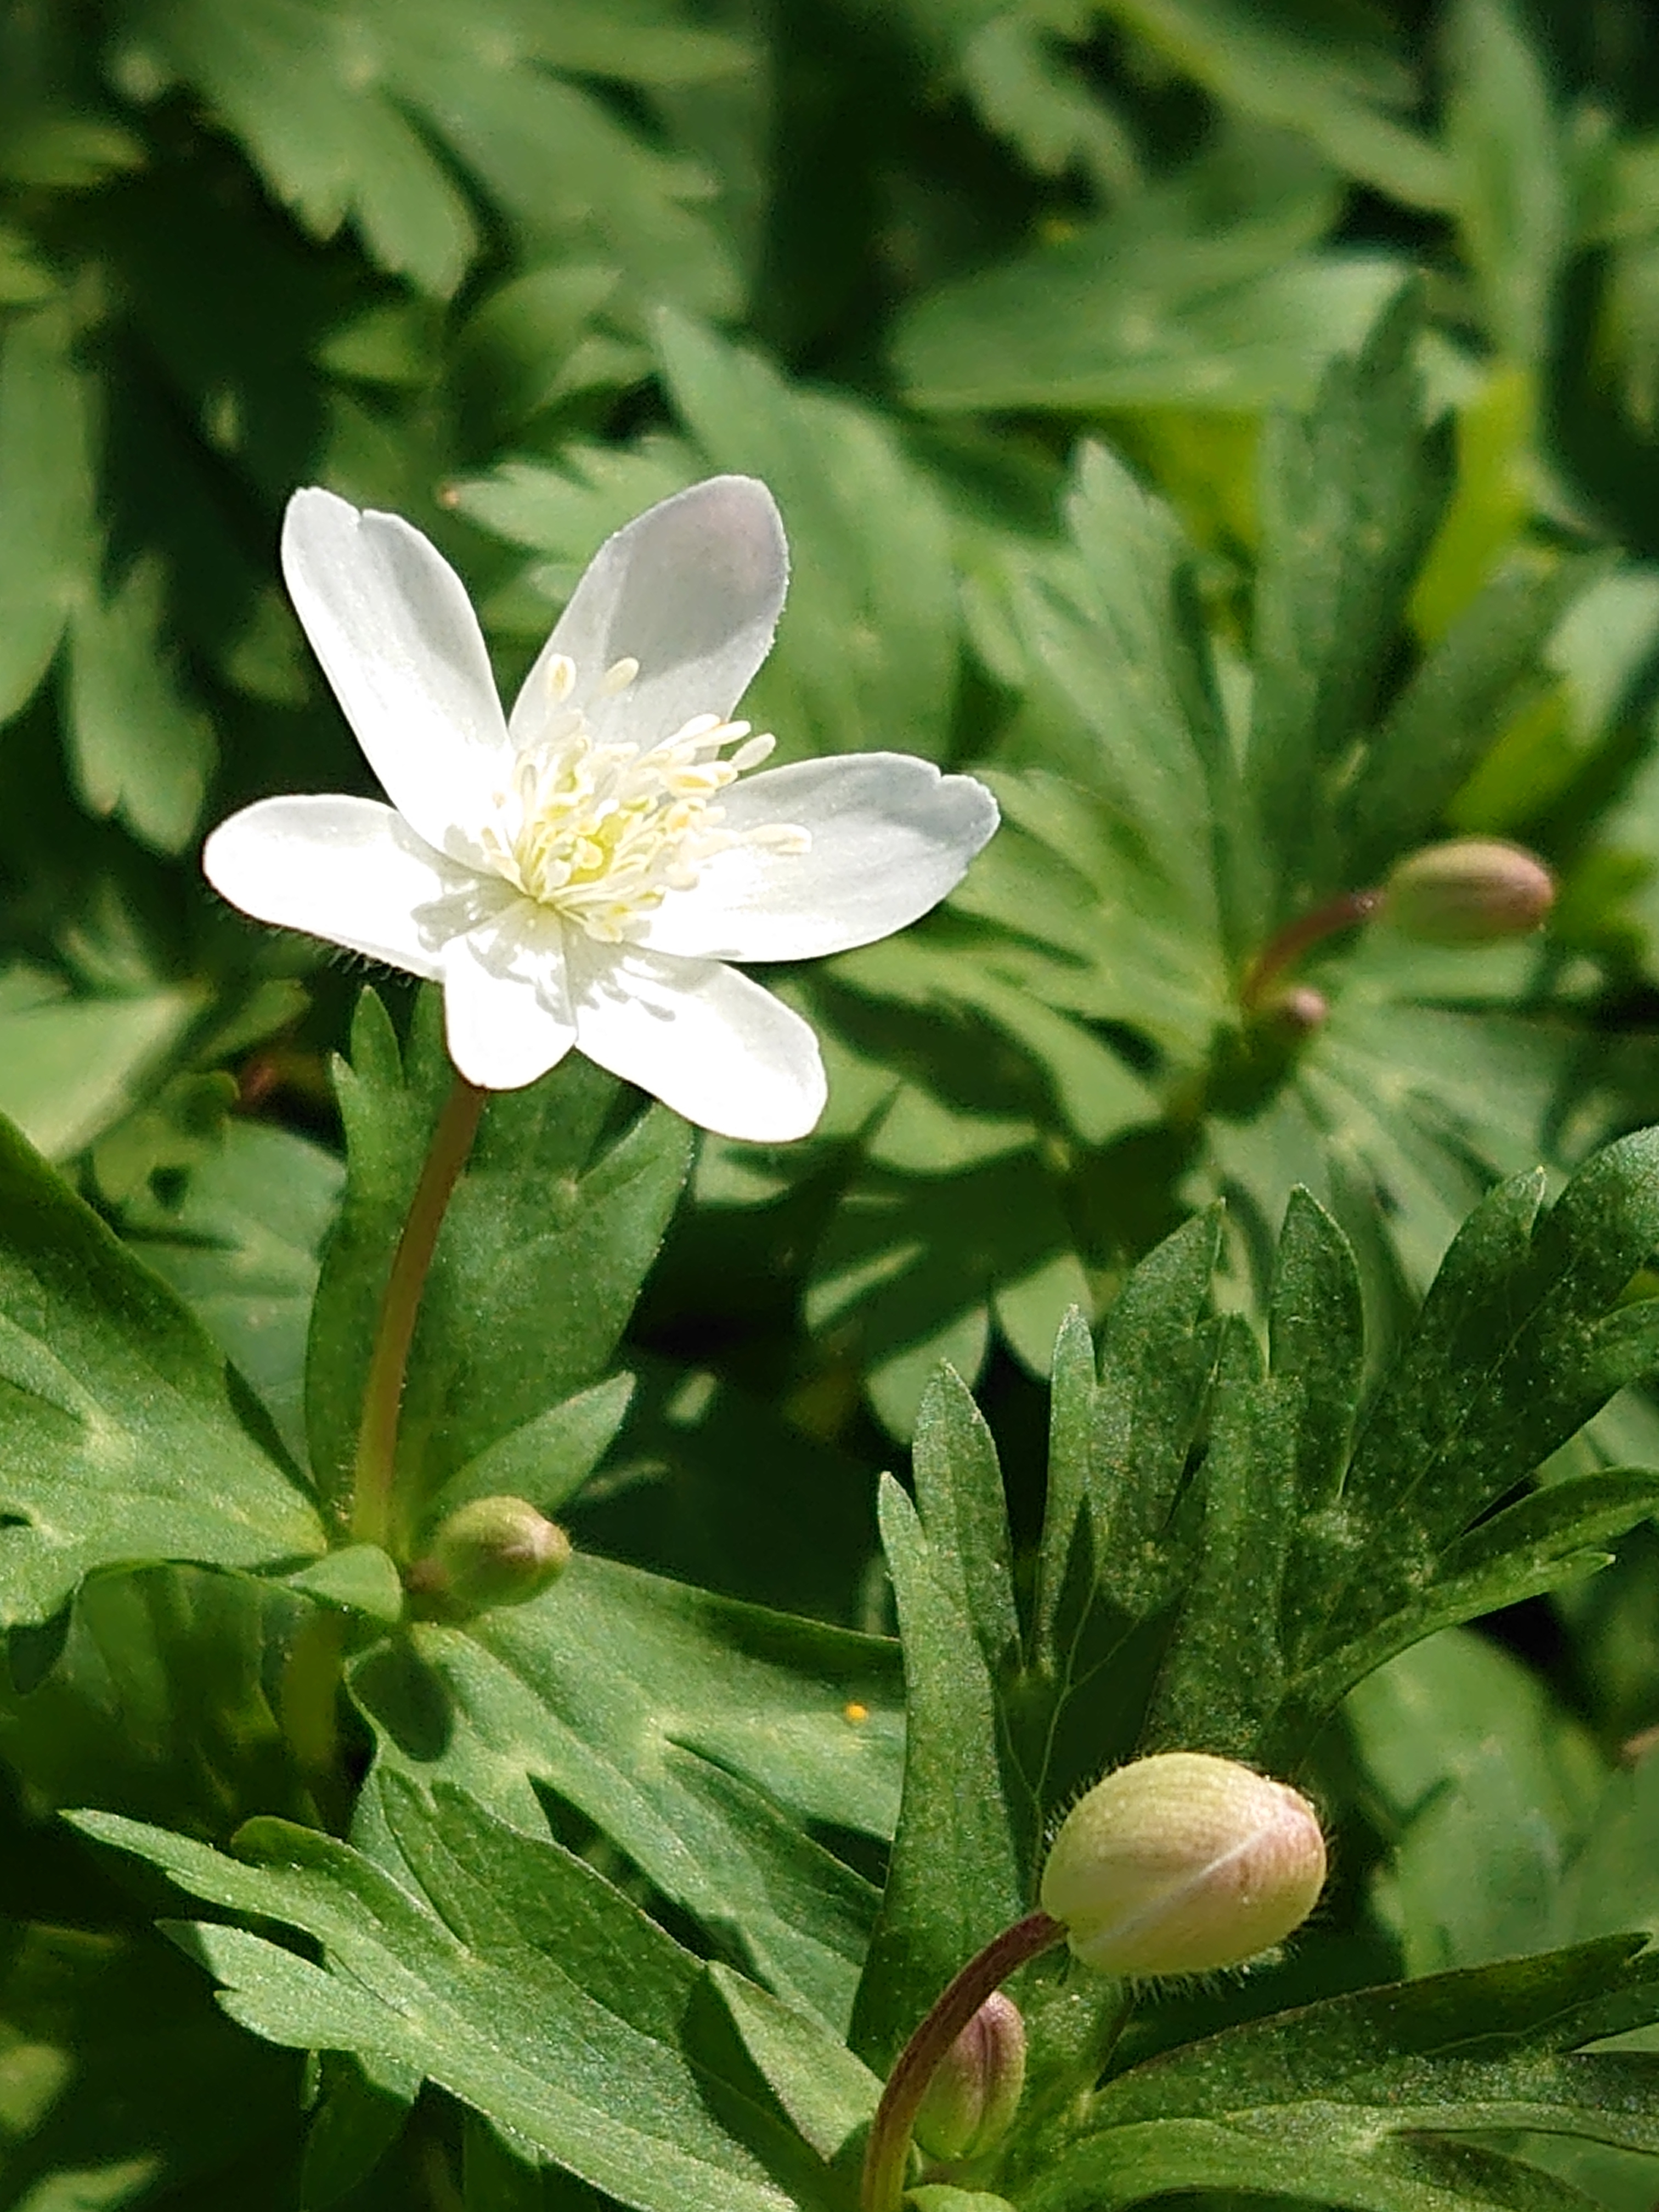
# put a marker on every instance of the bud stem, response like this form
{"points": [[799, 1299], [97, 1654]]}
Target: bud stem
{"points": [[888, 2151], [1300, 936], [383, 1394]]}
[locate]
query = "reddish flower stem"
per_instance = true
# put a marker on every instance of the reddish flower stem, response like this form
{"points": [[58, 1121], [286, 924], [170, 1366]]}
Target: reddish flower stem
{"points": [[888, 2152], [1299, 937]]}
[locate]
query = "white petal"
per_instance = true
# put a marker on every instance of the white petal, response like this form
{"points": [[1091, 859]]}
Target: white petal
{"points": [[348, 870], [692, 589], [700, 1038], [391, 624], [507, 1000], [890, 836]]}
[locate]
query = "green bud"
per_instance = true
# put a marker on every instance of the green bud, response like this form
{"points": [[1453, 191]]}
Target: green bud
{"points": [[491, 1552], [1472, 890], [1181, 1863], [976, 2086]]}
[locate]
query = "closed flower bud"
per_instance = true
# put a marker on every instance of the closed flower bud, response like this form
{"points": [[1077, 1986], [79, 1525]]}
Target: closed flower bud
{"points": [[491, 1552], [1182, 1863], [976, 2087], [1472, 890]]}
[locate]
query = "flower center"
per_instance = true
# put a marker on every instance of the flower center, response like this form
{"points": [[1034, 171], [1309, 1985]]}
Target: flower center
{"points": [[602, 833]]}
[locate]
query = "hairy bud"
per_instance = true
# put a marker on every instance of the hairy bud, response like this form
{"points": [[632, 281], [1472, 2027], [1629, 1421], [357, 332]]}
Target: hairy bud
{"points": [[1181, 1863], [976, 2087], [491, 1552], [1472, 890]]}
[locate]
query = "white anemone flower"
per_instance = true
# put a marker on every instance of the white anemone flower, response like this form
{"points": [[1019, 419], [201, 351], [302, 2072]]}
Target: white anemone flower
{"points": [[580, 874]]}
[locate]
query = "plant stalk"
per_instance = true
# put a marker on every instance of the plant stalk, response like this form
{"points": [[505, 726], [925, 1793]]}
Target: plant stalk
{"points": [[383, 1395], [1300, 936], [888, 2151]]}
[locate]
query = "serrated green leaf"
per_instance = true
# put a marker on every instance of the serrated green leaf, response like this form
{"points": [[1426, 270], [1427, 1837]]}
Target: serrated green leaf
{"points": [[125, 1442], [678, 1723], [1225, 1672], [548, 1458], [1316, 1333], [1349, 499], [511, 1959], [956, 1874], [329, 140], [960, 1497], [539, 1265]]}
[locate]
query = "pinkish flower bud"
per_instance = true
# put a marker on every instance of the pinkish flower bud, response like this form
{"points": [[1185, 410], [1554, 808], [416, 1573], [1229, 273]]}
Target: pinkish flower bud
{"points": [[976, 2086], [1181, 1863], [1472, 890], [491, 1552]]}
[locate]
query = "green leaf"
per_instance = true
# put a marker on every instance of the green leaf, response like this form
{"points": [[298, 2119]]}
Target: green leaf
{"points": [[914, 1264], [45, 496], [1454, 709], [867, 646], [70, 1066], [1350, 497], [515, 1977], [828, 2092], [1492, 1786], [161, 1698], [697, 1734], [358, 1578], [127, 2085], [1512, 179], [1521, 1338], [328, 139], [960, 1497], [1224, 1675], [546, 1242], [956, 1874], [1198, 292], [140, 747], [124, 1438], [548, 1458], [1344, 2102], [1333, 74], [240, 1247], [1317, 1344]]}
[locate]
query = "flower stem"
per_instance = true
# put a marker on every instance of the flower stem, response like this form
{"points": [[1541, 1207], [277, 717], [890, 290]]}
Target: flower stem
{"points": [[888, 2150], [1300, 936], [383, 1394]]}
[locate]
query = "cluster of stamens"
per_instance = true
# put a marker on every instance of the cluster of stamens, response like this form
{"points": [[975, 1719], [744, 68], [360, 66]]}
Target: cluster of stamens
{"points": [[602, 833]]}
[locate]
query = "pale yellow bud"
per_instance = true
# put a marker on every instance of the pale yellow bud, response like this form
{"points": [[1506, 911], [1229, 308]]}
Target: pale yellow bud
{"points": [[977, 2084], [1471, 890], [1182, 1863]]}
